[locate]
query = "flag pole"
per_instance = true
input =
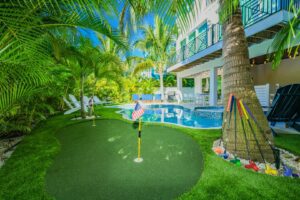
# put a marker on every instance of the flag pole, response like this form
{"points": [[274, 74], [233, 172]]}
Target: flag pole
{"points": [[93, 111], [94, 123], [139, 159], [137, 114], [139, 138]]}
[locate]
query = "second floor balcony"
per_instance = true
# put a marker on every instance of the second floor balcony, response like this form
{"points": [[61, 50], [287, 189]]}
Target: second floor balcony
{"points": [[262, 19]]}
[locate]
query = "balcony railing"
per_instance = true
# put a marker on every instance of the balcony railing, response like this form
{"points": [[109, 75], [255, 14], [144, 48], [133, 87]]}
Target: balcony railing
{"points": [[255, 10], [252, 12], [209, 37]]}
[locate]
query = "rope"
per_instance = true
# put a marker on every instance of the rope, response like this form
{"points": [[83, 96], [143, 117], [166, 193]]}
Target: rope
{"points": [[243, 126], [252, 131], [228, 110], [235, 135]]}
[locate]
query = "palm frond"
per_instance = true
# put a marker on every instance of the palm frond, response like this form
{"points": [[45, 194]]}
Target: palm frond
{"points": [[227, 9], [23, 25], [17, 82], [145, 65], [287, 39]]}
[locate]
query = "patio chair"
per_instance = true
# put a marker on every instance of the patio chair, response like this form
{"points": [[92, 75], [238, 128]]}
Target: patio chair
{"points": [[147, 97], [74, 100], [157, 97], [135, 97], [72, 108], [263, 95], [86, 100], [68, 103], [144, 97], [150, 97], [285, 106], [97, 101], [77, 103]]}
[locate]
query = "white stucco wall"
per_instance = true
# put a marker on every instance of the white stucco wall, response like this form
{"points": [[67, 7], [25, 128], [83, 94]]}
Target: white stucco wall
{"points": [[288, 72]]}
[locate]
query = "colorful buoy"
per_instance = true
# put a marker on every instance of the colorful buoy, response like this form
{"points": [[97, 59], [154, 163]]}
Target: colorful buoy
{"points": [[269, 170], [218, 150], [287, 171], [252, 165], [236, 161]]}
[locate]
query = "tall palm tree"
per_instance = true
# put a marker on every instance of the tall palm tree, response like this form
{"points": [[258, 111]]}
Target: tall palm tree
{"points": [[237, 81], [133, 12], [24, 36], [107, 61], [158, 45], [74, 53]]}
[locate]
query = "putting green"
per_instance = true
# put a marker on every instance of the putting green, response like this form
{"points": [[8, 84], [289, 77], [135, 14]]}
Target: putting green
{"points": [[97, 162]]}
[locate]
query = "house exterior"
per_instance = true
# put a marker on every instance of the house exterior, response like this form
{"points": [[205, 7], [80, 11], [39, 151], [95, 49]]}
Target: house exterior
{"points": [[199, 46]]}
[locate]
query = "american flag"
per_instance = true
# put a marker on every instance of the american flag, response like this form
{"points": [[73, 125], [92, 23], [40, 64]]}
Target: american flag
{"points": [[138, 111]]}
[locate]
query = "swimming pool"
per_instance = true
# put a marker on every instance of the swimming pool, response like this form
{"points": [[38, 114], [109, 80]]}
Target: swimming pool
{"points": [[201, 117]]}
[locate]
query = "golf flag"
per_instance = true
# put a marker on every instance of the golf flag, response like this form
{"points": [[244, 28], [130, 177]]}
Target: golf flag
{"points": [[138, 111]]}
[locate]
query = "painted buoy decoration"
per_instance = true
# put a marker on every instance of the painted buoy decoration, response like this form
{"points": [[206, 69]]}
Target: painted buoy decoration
{"points": [[252, 165]]}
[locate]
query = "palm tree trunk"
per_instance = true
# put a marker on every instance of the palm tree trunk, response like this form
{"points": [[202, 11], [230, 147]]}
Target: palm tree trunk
{"points": [[238, 81], [91, 111], [83, 114], [161, 80]]}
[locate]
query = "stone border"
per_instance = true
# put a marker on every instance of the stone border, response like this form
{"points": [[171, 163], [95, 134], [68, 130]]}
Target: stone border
{"points": [[7, 147], [287, 158]]}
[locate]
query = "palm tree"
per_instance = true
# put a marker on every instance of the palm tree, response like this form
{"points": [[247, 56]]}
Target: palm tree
{"points": [[158, 46], [237, 81], [287, 38], [107, 63], [133, 11], [170, 80], [25, 28]]}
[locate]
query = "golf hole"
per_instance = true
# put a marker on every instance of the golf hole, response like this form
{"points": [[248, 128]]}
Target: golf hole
{"points": [[138, 160]]}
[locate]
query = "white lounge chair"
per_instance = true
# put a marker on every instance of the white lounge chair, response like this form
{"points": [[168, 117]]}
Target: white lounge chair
{"points": [[68, 103], [97, 101], [77, 103], [86, 100], [263, 95], [72, 108]]}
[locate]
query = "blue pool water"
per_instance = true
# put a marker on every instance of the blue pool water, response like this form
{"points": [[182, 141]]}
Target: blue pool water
{"points": [[204, 117]]}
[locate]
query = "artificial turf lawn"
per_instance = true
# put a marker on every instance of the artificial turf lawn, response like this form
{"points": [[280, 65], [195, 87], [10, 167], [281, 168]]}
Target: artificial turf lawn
{"points": [[23, 175], [289, 142], [97, 162]]}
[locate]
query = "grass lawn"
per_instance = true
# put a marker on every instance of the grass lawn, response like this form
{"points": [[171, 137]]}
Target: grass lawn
{"points": [[98, 162], [289, 142], [25, 176]]}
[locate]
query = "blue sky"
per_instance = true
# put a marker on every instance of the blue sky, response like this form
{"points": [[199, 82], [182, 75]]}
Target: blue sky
{"points": [[148, 19]]}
